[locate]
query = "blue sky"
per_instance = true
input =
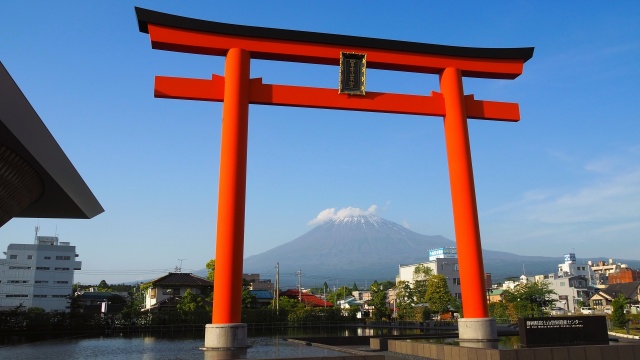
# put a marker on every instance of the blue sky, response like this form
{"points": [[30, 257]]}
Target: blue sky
{"points": [[565, 178]]}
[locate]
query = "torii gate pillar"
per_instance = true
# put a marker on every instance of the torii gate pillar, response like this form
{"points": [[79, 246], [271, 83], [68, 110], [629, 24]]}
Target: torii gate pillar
{"points": [[476, 324], [226, 330]]}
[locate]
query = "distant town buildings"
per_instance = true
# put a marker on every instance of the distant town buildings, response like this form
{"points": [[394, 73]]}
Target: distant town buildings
{"points": [[38, 274], [589, 284]]}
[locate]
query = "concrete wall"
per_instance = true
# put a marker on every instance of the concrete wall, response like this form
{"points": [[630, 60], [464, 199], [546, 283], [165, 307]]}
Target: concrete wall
{"points": [[450, 352]]}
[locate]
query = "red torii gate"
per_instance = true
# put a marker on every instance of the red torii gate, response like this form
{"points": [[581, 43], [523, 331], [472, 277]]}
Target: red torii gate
{"points": [[241, 43]]}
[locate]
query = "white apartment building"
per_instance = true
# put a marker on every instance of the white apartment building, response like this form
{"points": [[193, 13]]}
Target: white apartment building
{"points": [[570, 267], [38, 275], [442, 261]]}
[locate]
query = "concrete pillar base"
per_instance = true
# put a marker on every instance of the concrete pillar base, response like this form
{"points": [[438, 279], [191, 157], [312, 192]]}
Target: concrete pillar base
{"points": [[225, 337], [477, 331]]}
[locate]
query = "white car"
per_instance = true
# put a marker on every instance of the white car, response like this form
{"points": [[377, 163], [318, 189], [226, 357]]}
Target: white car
{"points": [[586, 310], [558, 311]]}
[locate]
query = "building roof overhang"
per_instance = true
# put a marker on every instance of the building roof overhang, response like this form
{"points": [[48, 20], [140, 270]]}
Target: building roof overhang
{"points": [[23, 136]]}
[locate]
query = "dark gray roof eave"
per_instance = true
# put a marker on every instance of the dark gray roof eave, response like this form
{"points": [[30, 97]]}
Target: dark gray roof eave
{"points": [[146, 17], [66, 195]]}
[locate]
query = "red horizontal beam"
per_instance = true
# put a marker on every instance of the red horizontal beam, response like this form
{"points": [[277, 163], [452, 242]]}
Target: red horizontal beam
{"points": [[298, 96], [205, 43]]}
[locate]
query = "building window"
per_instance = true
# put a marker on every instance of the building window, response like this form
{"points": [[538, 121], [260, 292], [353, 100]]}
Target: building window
{"points": [[153, 293], [41, 281], [456, 281], [39, 296], [172, 292], [43, 268], [18, 281], [63, 257], [47, 257], [60, 282], [61, 268], [18, 295], [13, 257], [59, 296], [29, 257], [562, 283], [20, 267]]}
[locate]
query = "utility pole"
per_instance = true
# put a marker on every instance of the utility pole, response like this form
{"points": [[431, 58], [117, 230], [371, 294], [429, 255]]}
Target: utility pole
{"points": [[299, 273], [277, 288]]}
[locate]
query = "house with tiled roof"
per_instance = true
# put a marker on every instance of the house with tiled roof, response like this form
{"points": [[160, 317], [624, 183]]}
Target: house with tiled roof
{"points": [[165, 291], [263, 298], [308, 299], [630, 290]]}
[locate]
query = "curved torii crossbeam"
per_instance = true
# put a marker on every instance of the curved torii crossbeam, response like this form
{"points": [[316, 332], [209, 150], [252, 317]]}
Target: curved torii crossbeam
{"points": [[240, 44]]}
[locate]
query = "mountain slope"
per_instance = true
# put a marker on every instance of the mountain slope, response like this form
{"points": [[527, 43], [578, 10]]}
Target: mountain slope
{"points": [[366, 248], [353, 248]]}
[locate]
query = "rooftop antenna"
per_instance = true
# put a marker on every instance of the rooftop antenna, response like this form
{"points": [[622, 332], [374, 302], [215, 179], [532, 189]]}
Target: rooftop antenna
{"points": [[35, 240], [179, 269]]}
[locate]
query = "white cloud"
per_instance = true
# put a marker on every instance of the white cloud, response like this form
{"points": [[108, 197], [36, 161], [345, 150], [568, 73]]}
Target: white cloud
{"points": [[600, 218], [331, 214]]}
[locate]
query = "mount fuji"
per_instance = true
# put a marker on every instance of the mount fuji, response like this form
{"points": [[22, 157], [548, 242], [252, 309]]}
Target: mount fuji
{"points": [[364, 248]]}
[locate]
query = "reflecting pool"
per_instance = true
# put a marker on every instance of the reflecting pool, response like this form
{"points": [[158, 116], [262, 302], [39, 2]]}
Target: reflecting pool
{"points": [[150, 347]]}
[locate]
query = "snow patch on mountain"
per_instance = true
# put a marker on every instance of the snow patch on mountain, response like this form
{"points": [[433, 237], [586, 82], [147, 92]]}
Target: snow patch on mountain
{"points": [[346, 215]]}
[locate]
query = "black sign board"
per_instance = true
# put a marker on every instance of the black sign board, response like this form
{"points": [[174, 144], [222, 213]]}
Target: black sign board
{"points": [[353, 70], [563, 331]]}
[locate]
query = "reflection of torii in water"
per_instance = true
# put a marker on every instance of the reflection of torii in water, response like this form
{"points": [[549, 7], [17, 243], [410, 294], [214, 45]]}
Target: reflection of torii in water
{"points": [[240, 44]]}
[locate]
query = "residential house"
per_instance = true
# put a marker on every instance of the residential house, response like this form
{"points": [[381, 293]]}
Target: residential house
{"points": [[256, 283], [165, 291], [308, 299], [570, 291], [264, 298], [362, 308], [100, 301], [495, 295], [631, 291], [362, 295]]}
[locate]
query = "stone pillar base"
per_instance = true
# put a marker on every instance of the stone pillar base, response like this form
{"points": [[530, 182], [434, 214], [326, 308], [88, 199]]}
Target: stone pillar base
{"points": [[478, 333], [225, 337]]}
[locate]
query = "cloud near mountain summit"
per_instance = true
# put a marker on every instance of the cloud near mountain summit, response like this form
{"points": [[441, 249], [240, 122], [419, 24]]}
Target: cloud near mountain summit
{"points": [[331, 214]]}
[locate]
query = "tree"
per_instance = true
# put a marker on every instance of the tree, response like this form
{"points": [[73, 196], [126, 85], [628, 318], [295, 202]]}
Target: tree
{"points": [[248, 299], [285, 303], [387, 284], [617, 314], [528, 299], [438, 295], [189, 306], [103, 286], [404, 300], [379, 302], [211, 269], [339, 294], [354, 287], [421, 275]]}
